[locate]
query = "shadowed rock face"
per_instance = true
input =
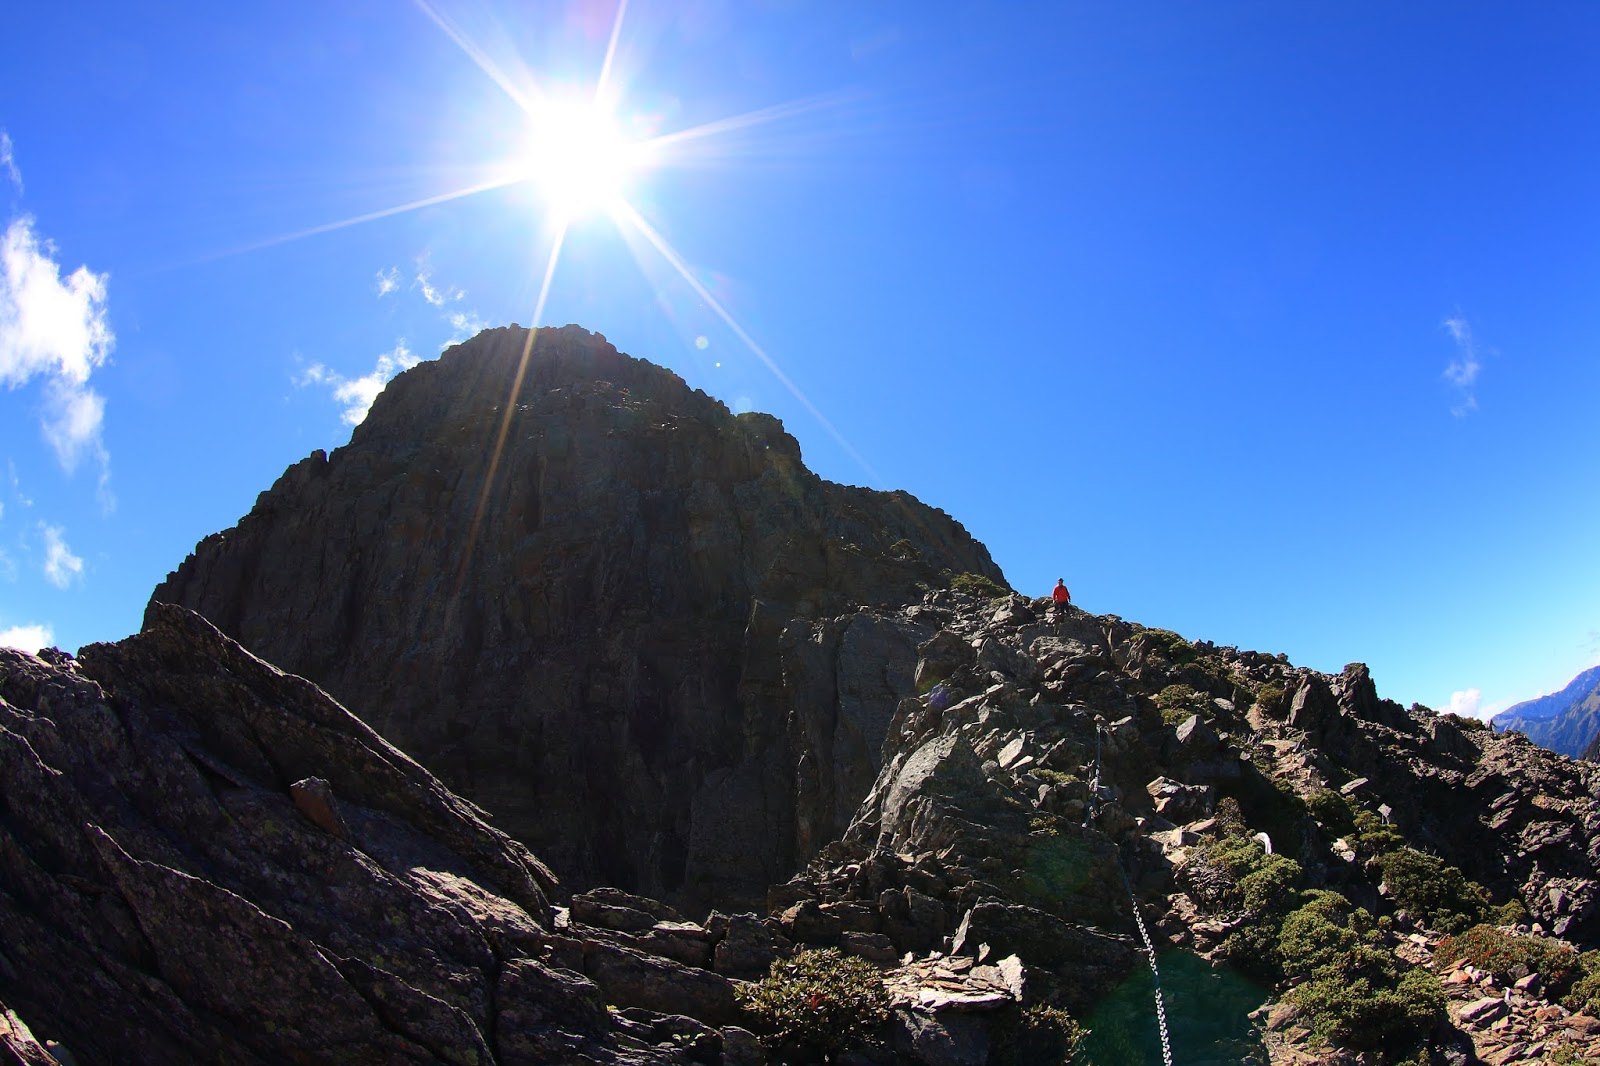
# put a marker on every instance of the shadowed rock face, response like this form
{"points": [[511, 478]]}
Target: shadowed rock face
{"points": [[628, 654], [203, 859]]}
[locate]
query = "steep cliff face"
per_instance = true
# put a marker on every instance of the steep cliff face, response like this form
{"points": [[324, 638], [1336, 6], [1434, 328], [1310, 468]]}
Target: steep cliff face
{"points": [[620, 630]]}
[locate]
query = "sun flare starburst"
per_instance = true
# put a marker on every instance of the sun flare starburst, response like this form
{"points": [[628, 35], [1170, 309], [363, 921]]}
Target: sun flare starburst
{"points": [[578, 157], [577, 152]]}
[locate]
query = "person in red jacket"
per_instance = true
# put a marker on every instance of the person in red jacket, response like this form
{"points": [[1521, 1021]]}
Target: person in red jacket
{"points": [[1061, 595]]}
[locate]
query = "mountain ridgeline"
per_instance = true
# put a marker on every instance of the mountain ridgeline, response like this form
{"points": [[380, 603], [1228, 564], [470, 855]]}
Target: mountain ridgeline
{"points": [[1567, 721], [635, 655], [606, 733]]}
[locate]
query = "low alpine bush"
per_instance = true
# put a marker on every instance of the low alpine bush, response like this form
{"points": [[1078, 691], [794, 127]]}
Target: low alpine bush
{"points": [[820, 1000], [1510, 955]]}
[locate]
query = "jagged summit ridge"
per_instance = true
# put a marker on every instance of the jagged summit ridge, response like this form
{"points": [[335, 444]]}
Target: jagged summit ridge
{"points": [[635, 655]]}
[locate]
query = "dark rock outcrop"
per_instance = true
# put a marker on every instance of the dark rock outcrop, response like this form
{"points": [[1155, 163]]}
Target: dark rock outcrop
{"points": [[619, 618], [167, 895]]}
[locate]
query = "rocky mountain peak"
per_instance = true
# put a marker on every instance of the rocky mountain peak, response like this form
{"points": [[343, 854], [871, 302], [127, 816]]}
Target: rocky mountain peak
{"points": [[634, 653], [944, 821]]}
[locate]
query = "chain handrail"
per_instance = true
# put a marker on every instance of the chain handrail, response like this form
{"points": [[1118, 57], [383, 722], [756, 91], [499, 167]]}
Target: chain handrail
{"points": [[1133, 901]]}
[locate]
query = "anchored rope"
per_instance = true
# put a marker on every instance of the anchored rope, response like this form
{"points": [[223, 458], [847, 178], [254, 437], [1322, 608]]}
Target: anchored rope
{"points": [[1138, 917]]}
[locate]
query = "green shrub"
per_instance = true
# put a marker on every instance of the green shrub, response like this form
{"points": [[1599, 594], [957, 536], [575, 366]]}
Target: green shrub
{"points": [[1332, 811], [1372, 1012], [1372, 836], [977, 585], [1178, 650], [1584, 997], [1511, 912], [819, 1000], [1270, 697], [1355, 992], [1230, 818], [1175, 716], [1216, 867], [1252, 948], [1317, 934], [1270, 887], [1057, 777], [1510, 955], [1041, 1036], [904, 549], [1177, 696], [1436, 893], [1565, 1053]]}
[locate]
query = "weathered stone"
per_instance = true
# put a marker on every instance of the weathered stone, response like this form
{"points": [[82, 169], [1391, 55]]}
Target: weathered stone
{"points": [[633, 979], [874, 947], [940, 657], [1482, 1011], [746, 951], [807, 923], [1179, 802], [1196, 738], [942, 1039], [313, 797], [17, 1045], [854, 917], [1097, 959], [740, 1047]]}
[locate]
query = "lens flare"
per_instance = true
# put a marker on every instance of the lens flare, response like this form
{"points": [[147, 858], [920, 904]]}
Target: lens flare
{"points": [[578, 157]]}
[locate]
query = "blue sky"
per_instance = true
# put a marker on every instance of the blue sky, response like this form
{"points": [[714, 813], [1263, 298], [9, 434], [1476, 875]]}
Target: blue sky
{"points": [[1273, 324]]}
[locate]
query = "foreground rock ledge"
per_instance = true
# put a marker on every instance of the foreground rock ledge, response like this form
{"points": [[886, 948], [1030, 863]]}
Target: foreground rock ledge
{"points": [[164, 898]]}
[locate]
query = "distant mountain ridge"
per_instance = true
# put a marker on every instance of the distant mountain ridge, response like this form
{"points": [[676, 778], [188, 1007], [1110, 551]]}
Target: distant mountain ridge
{"points": [[1567, 721]]}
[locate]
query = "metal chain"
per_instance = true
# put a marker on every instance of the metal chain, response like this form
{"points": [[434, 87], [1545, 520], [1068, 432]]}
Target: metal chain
{"points": [[1138, 917], [1155, 974]]}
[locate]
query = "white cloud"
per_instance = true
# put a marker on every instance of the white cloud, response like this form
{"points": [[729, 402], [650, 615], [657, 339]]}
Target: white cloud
{"points": [[61, 567], [438, 297], [464, 324], [1466, 703], [29, 638], [55, 329], [357, 394], [1462, 373], [388, 281], [8, 162]]}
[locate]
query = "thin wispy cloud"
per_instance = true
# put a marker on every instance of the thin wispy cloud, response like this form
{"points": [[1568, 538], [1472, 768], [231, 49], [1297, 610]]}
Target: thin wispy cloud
{"points": [[356, 394], [29, 638], [8, 161], [61, 567], [54, 330], [388, 281], [437, 296], [1462, 373], [464, 324]]}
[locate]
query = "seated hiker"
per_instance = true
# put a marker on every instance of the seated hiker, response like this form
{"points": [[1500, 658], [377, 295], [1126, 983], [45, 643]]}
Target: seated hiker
{"points": [[1060, 595]]}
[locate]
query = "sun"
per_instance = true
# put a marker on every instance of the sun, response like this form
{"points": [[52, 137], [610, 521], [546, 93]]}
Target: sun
{"points": [[578, 157]]}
